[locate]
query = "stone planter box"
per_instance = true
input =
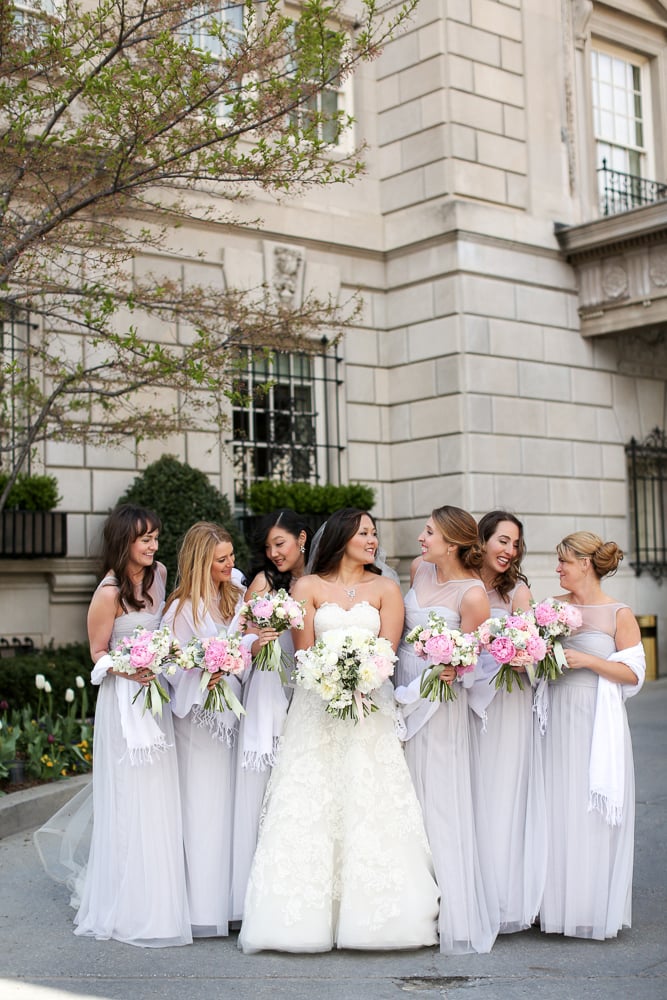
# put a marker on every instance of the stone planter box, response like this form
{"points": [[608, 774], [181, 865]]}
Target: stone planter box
{"points": [[33, 534]]}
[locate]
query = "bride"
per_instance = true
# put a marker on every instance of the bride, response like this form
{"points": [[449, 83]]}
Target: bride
{"points": [[342, 858]]}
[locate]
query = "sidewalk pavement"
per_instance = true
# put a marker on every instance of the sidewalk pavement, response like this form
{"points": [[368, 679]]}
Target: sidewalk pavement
{"points": [[40, 958]]}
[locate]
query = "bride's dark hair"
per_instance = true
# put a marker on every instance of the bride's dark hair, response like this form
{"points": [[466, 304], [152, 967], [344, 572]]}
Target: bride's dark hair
{"points": [[339, 529]]}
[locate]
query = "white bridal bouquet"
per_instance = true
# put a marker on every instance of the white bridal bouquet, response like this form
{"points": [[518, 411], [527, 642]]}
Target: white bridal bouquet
{"points": [[442, 646], [217, 656], [345, 667], [155, 651], [280, 612]]}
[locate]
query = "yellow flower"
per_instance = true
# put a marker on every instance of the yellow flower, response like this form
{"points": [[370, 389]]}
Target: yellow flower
{"points": [[83, 744], [64, 772], [49, 763]]}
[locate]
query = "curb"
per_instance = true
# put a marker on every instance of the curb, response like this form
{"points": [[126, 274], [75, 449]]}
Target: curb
{"points": [[30, 808]]}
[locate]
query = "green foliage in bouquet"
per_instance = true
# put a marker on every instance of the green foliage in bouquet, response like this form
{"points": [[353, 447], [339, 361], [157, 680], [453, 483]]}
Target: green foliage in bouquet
{"points": [[181, 496], [308, 498]]}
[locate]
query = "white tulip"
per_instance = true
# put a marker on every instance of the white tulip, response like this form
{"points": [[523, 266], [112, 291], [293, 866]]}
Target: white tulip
{"points": [[69, 696], [47, 687], [40, 681], [79, 681]]}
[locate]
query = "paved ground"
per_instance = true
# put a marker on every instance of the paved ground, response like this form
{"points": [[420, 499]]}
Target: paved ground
{"points": [[40, 959]]}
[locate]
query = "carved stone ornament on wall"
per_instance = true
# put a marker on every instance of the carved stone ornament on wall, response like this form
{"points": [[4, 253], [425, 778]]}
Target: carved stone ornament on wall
{"points": [[643, 353], [657, 267], [614, 280], [287, 272]]}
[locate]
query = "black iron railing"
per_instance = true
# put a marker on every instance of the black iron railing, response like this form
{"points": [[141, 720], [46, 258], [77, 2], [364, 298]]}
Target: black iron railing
{"points": [[33, 534], [288, 427], [620, 192], [647, 473]]}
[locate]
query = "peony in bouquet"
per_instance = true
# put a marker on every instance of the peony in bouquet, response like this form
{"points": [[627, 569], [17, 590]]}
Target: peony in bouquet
{"points": [[513, 641], [144, 650], [554, 619], [442, 647], [280, 612], [217, 656], [345, 666]]}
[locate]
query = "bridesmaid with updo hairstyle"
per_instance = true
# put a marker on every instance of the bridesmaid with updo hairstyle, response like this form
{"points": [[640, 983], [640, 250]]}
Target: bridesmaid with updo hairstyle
{"points": [[589, 772], [507, 763], [445, 579]]}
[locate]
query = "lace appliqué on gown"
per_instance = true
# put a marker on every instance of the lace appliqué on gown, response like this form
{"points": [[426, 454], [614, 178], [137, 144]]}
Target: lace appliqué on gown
{"points": [[342, 856]]}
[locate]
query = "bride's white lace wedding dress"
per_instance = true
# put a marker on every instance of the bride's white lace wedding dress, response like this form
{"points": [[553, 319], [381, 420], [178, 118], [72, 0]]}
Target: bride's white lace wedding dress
{"points": [[342, 858]]}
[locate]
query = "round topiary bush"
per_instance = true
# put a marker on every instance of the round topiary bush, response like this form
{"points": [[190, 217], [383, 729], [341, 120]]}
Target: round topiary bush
{"points": [[182, 495]]}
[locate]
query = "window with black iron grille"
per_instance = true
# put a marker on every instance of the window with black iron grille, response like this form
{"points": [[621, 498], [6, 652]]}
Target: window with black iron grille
{"points": [[647, 473], [15, 328], [288, 425]]}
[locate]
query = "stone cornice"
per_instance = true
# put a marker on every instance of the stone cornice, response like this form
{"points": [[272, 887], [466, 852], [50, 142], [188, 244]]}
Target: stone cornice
{"points": [[614, 234]]}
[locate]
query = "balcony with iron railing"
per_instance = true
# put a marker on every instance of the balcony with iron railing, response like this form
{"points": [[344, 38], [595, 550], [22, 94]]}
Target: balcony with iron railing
{"points": [[620, 192]]}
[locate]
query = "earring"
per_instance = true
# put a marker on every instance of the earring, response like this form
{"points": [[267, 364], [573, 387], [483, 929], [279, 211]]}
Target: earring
{"points": [[303, 550]]}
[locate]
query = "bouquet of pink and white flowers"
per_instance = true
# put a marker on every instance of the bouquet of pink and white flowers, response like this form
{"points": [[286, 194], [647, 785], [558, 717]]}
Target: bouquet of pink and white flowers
{"points": [[145, 650], [513, 641], [345, 666], [280, 612], [554, 619], [442, 647], [218, 656]]}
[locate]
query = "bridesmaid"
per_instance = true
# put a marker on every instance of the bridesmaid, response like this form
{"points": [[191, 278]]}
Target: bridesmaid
{"points": [[281, 552], [208, 595], [507, 749], [133, 887], [445, 580], [589, 771]]}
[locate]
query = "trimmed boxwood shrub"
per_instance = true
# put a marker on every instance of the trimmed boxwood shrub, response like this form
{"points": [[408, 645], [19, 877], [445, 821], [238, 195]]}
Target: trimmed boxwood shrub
{"points": [[182, 495], [31, 492], [308, 498]]}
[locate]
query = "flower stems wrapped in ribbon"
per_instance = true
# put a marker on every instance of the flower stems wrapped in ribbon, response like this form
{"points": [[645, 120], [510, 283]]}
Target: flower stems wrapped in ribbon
{"points": [[278, 611], [345, 666], [554, 619], [217, 657], [144, 650], [442, 647], [513, 641]]}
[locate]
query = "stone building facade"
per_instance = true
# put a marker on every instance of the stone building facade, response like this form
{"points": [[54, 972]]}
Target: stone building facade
{"points": [[513, 337]]}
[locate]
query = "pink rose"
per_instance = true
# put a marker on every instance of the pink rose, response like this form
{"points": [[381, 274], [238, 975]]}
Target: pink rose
{"points": [[384, 666], [425, 635], [536, 647], [237, 664], [216, 656], [545, 613], [141, 655], [502, 649], [516, 621], [419, 648], [439, 649], [570, 616], [484, 633], [522, 658], [262, 609]]}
